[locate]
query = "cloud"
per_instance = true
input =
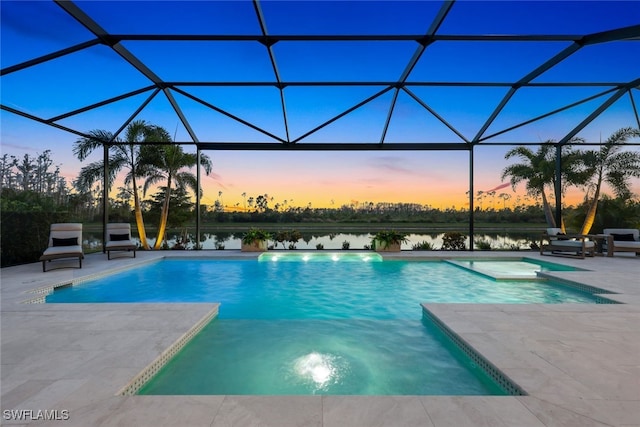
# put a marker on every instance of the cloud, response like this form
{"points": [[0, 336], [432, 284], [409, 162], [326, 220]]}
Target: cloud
{"points": [[373, 182], [217, 179], [394, 164], [18, 147], [499, 187]]}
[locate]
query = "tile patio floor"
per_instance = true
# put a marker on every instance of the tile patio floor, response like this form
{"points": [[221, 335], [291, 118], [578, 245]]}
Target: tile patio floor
{"points": [[579, 363]]}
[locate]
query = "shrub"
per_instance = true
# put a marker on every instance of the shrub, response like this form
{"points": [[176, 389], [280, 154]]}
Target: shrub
{"points": [[345, 245], [291, 236], [423, 246], [24, 235], [453, 241], [483, 245]]}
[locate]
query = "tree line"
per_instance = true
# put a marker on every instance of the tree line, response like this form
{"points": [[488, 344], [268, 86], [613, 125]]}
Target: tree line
{"points": [[147, 159]]}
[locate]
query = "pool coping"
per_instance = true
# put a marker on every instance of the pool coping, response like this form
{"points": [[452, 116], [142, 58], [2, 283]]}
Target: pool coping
{"points": [[141, 379], [605, 391]]}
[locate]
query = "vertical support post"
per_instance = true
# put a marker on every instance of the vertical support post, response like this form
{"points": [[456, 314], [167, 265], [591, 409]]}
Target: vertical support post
{"points": [[199, 189], [558, 187], [105, 194], [471, 207]]}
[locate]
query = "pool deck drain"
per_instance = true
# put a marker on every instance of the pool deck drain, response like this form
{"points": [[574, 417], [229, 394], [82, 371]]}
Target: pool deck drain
{"points": [[577, 362]]}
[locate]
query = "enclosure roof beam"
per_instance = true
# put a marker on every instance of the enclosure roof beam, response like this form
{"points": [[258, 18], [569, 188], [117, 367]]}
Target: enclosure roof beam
{"points": [[272, 57], [106, 38], [329, 146], [613, 98]]}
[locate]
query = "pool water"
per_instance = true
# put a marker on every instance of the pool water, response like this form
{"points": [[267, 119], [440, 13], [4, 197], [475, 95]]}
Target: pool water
{"points": [[321, 290], [331, 327], [310, 356]]}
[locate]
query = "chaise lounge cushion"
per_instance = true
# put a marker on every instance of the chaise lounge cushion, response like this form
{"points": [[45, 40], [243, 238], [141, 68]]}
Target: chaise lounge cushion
{"points": [[56, 251], [558, 238], [573, 244]]}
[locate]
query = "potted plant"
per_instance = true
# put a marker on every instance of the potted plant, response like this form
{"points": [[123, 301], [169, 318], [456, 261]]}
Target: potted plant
{"points": [[388, 241], [255, 240]]}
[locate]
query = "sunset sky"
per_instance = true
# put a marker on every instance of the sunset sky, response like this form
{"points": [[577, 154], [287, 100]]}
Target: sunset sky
{"points": [[324, 179]]}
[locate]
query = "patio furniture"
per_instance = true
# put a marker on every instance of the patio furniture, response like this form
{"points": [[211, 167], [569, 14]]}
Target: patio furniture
{"points": [[119, 239], [569, 245], [622, 240], [65, 241]]}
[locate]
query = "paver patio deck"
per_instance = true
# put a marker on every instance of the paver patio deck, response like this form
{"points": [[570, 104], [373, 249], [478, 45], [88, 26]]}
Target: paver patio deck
{"points": [[579, 363]]}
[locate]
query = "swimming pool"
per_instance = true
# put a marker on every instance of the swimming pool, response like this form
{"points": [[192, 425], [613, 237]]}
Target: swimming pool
{"points": [[265, 289], [327, 325]]}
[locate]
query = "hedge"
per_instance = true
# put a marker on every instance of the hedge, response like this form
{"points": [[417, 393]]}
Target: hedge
{"points": [[24, 235]]}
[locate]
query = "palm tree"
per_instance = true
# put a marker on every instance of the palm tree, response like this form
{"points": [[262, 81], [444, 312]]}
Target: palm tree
{"points": [[539, 171], [504, 197], [479, 197], [612, 166], [125, 154], [168, 162]]}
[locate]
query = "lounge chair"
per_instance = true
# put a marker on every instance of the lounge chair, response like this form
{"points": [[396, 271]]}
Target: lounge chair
{"points": [[622, 240], [560, 244], [65, 241], [119, 239]]}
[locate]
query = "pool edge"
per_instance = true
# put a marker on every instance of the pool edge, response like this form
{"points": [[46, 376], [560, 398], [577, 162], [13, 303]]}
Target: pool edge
{"points": [[149, 371], [506, 383]]}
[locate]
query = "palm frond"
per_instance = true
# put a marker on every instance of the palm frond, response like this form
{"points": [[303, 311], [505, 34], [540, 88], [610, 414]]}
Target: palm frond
{"points": [[83, 147], [206, 163], [135, 131], [92, 173], [150, 181], [187, 180]]}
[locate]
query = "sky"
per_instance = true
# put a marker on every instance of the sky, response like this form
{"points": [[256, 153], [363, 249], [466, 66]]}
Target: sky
{"points": [[322, 179]]}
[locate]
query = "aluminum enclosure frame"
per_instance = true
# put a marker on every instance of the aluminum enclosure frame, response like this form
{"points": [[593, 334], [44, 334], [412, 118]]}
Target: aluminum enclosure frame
{"points": [[612, 90]]}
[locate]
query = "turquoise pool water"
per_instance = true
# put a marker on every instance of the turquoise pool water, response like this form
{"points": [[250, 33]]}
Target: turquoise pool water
{"points": [[321, 290], [328, 357], [321, 326]]}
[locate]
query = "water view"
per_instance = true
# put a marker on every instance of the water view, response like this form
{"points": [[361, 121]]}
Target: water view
{"points": [[340, 241]]}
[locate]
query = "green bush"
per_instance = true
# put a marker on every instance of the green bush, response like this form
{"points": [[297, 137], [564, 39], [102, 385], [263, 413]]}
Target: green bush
{"points": [[483, 245], [454, 241], [24, 235], [423, 246]]}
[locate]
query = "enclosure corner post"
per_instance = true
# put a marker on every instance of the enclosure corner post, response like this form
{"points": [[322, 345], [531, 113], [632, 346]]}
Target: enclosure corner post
{"points": [[105, 195], [471, 215], [197, 246]]}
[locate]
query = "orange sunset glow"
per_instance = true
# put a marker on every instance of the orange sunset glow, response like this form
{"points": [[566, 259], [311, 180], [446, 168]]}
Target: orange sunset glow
{"points": [[331, 180]]}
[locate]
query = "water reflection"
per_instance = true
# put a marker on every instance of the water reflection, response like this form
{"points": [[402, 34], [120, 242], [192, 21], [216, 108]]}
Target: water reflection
{"points": [[335, 241]]}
